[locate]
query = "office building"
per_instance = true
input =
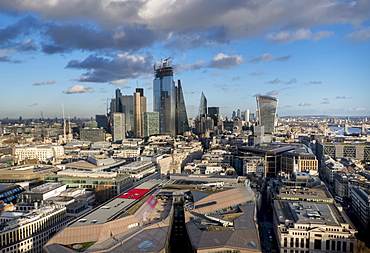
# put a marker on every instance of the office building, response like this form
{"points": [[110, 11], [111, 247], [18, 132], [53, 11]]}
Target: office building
{"points": [[90, 124], [312, 227], [267, 107], [182, 123], [298, 161], [118, 126], [272, 154], [164, 97], [203, 106], [361, 205], [124, 104], [102, 121], [42, 192], [150, 123], [168, 101], [139, 109], [27, 231], [41, 153], [343, 150], [92, 134]]}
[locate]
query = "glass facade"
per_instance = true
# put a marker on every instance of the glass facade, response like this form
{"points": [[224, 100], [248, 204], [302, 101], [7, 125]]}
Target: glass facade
{"points": [[150, 123], [267, 107], [164, 98]]}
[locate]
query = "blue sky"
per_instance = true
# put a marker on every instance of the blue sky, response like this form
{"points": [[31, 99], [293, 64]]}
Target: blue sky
{"points": [[313, 55]]}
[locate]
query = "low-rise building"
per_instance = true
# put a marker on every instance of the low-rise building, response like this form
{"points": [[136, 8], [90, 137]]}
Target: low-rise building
{"points": [[29, 231], [42, 192], [41, 153], [312, 227], [137, 170]]}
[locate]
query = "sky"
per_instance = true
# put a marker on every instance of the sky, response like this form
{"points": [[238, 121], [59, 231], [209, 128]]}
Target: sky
{"points": [[313, 55]]}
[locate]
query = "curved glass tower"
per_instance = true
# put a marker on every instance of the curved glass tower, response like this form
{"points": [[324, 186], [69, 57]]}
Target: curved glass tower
{"points": [[267, 107]]}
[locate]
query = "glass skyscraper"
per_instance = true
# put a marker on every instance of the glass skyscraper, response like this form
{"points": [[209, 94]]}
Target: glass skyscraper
{"points": [[182, 123], [203, 106], [164, 98], [266, 108]]}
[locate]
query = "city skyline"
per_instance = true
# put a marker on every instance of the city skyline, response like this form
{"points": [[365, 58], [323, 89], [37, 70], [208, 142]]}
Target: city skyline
{"points": [[311, 55]]}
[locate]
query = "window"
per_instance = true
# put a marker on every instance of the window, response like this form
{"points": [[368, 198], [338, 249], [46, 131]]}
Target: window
{"points": [[317, 244]]}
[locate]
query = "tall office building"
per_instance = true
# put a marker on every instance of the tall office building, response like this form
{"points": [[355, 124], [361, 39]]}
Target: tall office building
{"points": [[246, 115], [139, 109], [124, 104], [118, 126], [150, 123], [182, 123], [168, 101], [164, 97], [203, 106], [102, 120], [214, 113], [266, 108]]}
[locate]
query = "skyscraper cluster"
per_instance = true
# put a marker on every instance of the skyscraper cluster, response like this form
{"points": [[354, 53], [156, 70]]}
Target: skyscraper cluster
{"points": [[169, 116]]}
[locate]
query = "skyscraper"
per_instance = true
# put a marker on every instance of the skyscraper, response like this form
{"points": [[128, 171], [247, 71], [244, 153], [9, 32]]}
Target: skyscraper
{"points": [[124, 104], [203, 106], [266, 108], [118, 126], [164, 97], [182, 123], [139, 109]]}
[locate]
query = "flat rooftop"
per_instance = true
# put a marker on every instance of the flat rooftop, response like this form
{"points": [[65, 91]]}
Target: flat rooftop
{"points": [[104, 213]]}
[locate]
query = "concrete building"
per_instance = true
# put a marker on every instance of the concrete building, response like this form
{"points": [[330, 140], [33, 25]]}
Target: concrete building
{"points": [[139, 109], [358, 151], [312, 227], [137, 170], [42, 192], [361, 205], [330, 168], [41, 153], [25, 173], [271, 153], [298, 161], [105, 184], [92, 134], [29, 231], [118, 126]]}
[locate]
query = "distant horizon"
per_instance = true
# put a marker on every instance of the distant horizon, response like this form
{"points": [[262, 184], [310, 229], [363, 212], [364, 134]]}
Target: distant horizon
{"points": [[88, 118]]}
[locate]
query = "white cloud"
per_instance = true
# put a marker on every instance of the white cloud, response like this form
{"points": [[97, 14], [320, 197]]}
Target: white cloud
{"points": [[300, 34], [360, 35], [118, 81], [79, 89], [304, 104], [44, 83], [266, 57], [224, 61]]}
